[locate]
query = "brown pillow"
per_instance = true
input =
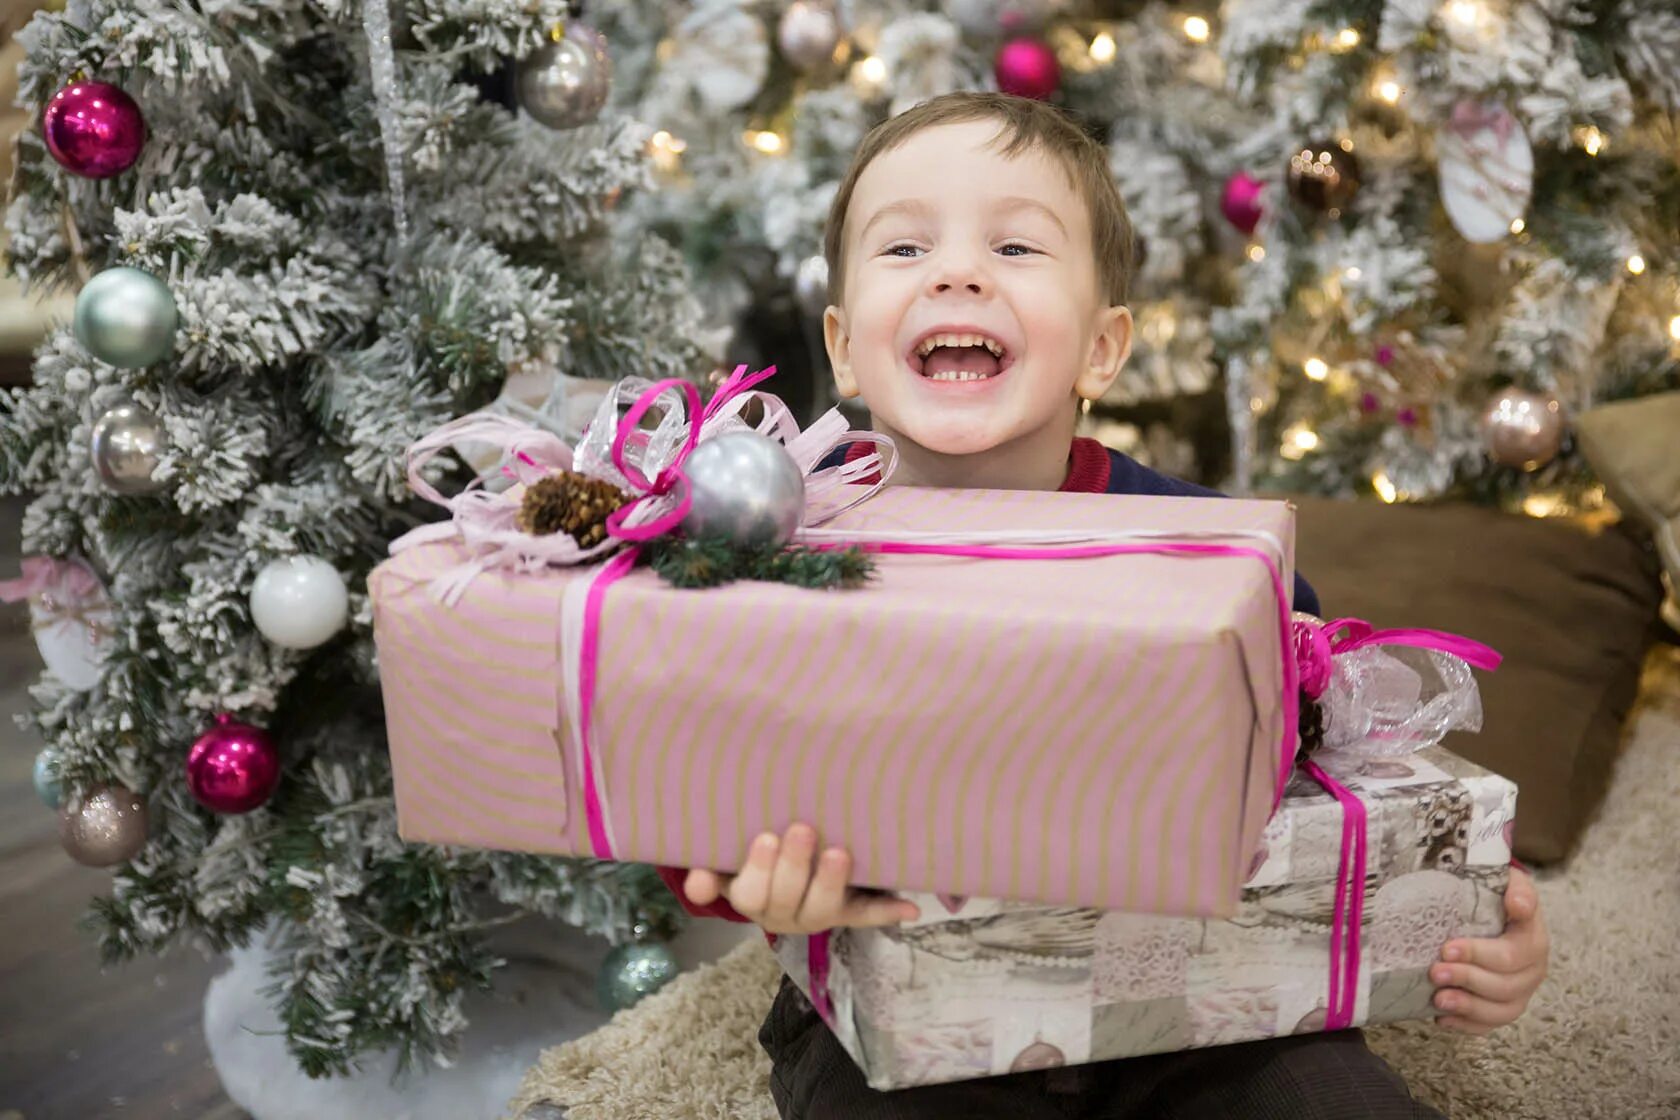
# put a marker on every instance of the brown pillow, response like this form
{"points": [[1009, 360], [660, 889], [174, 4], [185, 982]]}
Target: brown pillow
{"points": [[1571, 610]]}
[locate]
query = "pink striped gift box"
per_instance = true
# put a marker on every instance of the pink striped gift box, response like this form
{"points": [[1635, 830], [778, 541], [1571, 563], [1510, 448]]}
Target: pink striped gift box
{"points": [[1098, 732]]}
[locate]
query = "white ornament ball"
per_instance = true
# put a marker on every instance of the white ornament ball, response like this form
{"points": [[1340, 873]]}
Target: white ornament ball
{"points": [[808, 33], [298, 602], [810, 284]]}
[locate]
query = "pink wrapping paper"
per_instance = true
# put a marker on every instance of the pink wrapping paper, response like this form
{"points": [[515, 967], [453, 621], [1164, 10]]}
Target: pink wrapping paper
{"points": [[1099, 732]]}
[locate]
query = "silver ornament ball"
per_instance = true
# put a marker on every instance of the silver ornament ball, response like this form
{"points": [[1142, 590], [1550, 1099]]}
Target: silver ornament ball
{"points": [[810, 284], [631, 973], [564, 84], [745, 489], [106, 827], [298, 602], [808, 33], [1522, 429], [126, 317], [126, 443]]}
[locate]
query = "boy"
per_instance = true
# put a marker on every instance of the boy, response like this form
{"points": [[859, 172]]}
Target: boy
{"points": [[978, 260]]}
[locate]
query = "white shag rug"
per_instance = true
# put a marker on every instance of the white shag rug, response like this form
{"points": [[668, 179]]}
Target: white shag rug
{"points": [[1601, 1040]]}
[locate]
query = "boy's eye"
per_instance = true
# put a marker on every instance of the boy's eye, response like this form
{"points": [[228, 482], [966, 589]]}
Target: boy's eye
{"points": [[1020, 250], [901, 250]]}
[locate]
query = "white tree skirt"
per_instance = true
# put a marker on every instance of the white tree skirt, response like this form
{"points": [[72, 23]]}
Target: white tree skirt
{"points": [[544, 997]]}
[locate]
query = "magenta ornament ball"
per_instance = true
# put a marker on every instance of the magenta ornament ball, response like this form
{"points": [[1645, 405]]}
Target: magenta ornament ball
{"points": [[93, 129], [1240, 201], [1027, 67], [233, 768]]}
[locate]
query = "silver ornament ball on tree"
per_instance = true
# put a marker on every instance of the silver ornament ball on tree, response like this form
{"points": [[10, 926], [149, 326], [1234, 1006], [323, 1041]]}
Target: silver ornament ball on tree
{"points": [[1522, 429], [127, 441], [126, 318], [298, 602], [808, 33], [745, 489], [564, 83], [810, 284], [105, 828], [633, 972]]}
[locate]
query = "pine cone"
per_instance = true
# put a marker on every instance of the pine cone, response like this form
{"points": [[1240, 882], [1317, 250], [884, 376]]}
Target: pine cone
{"points": [[1312, 725], [568, 502]]}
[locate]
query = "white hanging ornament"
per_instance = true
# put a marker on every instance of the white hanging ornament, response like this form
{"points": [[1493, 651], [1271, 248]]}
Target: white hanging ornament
{"points": [[565, 82], [70, 614], [1486, 168], [298, 602], [808, 33], [722, 54]]}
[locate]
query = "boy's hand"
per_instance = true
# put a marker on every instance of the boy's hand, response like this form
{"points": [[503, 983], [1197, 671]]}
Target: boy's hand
{"points": [[1488, 981], [778, 890]]}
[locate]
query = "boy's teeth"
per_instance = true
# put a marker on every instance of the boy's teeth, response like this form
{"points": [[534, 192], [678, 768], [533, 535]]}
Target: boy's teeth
{"points": [[933, 342], [958, 375]]}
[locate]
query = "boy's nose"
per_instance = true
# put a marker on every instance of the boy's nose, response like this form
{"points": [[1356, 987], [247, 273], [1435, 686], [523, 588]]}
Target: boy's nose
{"points": [[959, 275]]}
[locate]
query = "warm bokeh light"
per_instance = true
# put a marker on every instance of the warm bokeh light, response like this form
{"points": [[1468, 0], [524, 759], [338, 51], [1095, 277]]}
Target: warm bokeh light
{"points": [[1102, 47], [1316, 368], [1196, 29]]}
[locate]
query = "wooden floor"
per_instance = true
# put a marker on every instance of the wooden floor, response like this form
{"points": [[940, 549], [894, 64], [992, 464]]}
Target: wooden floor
{"points": [[76, 1043]]}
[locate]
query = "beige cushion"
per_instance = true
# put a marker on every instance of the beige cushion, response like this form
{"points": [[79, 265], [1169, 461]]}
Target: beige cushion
{"points": [[1634, 447], [1571, 610]]}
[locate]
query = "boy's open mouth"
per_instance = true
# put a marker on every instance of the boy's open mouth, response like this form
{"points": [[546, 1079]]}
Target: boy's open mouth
{"points": [[959, 356]]}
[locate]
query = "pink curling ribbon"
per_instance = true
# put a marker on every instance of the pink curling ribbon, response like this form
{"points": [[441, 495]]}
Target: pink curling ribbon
{"points": [[1316, 645]]}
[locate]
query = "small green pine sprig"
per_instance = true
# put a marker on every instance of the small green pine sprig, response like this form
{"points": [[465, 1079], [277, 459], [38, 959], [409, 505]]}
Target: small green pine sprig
{"points": [[689, 563]]}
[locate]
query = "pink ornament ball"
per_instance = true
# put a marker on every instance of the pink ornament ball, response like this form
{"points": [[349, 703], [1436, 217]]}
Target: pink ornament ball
{"points": [[1028, 68], [1240, 201], [93, 129], [233, 768]]}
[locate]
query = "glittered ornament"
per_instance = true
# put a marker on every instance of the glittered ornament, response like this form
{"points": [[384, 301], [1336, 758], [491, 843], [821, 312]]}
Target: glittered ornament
{"points": [[233, 767], [70, 614], [1027, 67], [126, 318], [1240, 201], [1522, 429], [93, 129], [1486, 167], [106, 826], [633, 972], [808, 33], [572, 503], [45, 777], [565, 82], [127, 441], [745, 489], [1323, 177], [298, 602], [810, 284]]}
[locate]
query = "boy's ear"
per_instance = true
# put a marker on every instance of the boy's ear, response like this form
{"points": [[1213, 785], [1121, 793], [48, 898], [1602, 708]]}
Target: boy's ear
{"points": [[838, 340], [1109, 351]]}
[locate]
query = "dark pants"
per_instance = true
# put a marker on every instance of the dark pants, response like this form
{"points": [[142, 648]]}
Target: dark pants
{"points": [[1299, 1077]]}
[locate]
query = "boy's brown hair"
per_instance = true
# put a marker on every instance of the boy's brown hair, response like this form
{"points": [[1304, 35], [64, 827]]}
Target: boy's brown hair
{"points": [[1024, 124]]}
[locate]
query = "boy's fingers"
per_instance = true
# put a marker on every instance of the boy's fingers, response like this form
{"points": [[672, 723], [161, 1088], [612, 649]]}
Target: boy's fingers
{"points": [[826, 900], [792, 876], [703, 887], [1503, 987], [870, 911], [1487, 1012], [1521, 899], [750, 891], [1496, 954]]}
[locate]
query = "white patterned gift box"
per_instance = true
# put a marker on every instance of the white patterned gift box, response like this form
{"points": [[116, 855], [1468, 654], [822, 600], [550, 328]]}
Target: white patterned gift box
{"points": [[977, 987]]}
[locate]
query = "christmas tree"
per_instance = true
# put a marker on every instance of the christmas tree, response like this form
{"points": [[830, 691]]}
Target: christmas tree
{"points": [[1389, 248], [303, 237]]}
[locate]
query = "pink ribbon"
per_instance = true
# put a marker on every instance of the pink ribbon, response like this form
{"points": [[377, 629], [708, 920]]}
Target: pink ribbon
{"points": [[1471, 117], [1317, 643], [70, 581]]}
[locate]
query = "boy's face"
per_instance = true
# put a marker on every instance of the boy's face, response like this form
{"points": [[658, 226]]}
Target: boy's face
{"points": [[950, 244]]}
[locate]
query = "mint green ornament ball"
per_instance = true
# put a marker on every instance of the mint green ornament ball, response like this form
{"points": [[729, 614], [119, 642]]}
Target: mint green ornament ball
{"points": [[633, 972], [126, 317], [47, 786]]}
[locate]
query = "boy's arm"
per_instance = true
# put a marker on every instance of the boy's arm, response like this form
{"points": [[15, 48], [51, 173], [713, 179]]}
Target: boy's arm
{"points": [[1128, 476]]}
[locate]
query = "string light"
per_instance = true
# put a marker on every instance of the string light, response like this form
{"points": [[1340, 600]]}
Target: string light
{"points": [[1102, 47], [1316, 368], [872, 70], [1592, 141], [1384, 487], [1353, 272], [1543, 504], [666, 150], [1298, 439], [1389, 90], [770, 143], [1257, 252], [1466, 12], [1636, 264], [1518, 226], [1347, 38], [1674, 328], [1196, 29]]}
